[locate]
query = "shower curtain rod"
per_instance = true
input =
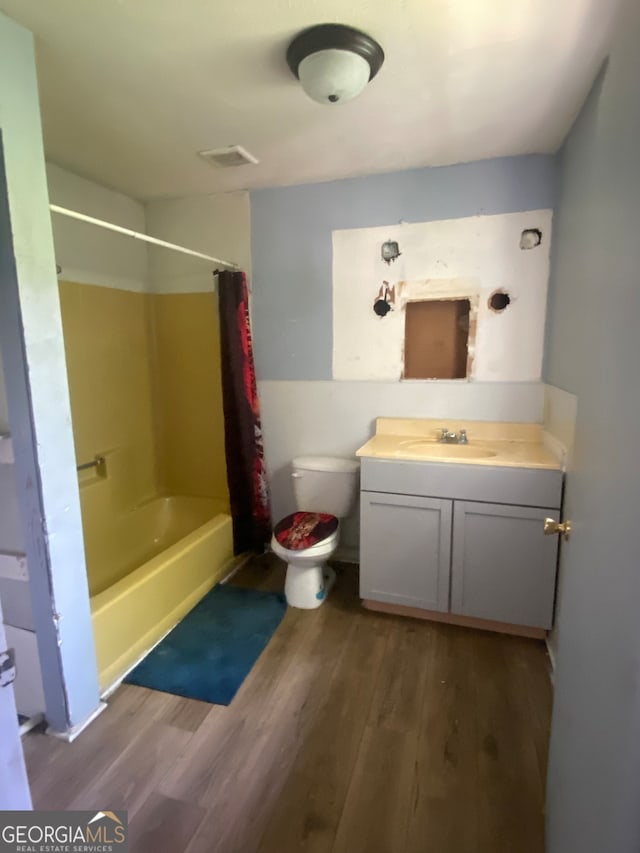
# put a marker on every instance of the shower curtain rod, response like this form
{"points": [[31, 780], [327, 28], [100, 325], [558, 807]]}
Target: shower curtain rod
{"points": [[137, 235]]}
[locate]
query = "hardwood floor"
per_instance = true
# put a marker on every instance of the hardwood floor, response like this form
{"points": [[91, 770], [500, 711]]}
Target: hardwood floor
{"points": [[356, 732]]}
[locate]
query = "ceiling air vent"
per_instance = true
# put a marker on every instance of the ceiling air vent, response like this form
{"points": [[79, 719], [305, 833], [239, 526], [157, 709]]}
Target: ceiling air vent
{"points": [[230, 155]]}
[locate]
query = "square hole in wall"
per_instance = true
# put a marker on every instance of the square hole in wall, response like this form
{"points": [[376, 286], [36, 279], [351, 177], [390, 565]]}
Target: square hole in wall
{"points": [[436, 339]]}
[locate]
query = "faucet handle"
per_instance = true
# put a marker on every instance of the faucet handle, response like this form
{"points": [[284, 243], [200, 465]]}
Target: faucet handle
{"points": [[444, 433], [463, 437]]}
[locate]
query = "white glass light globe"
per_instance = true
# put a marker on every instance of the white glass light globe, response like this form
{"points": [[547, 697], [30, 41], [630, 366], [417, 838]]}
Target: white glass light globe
{"points": [[332, 76]]}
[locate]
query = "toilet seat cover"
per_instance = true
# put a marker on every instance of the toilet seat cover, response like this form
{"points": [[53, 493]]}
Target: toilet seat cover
{"points": [[302, 530]]}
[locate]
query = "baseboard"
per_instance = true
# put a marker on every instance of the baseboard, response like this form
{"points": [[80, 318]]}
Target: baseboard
{"points": [[71, 734], [552, 660], [346, 555]]}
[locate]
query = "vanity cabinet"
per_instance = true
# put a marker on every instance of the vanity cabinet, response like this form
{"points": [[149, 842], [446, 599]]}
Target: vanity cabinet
{"points": [[406, 550], [503, 567], [462, 540]]}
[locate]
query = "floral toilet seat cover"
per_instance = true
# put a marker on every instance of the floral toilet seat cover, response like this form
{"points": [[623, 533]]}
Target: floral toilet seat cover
{"points": [[302, 530]]}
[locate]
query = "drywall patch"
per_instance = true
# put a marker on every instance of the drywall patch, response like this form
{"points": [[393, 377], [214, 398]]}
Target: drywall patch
{"points": [[467, 258], [499, 300]]}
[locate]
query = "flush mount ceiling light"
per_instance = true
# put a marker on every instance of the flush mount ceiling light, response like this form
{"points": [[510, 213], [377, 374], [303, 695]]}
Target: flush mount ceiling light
{"points": [[333, 62]]}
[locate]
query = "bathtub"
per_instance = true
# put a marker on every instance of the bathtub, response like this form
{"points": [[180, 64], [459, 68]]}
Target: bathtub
{"points": [[147, 570]]}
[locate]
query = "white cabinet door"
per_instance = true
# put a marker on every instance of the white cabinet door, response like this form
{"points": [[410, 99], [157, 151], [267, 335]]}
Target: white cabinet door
{"points": [[405, 550]]}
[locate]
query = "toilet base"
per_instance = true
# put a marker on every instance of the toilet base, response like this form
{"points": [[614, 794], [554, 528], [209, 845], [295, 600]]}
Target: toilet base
{"points": [[307, 587]]}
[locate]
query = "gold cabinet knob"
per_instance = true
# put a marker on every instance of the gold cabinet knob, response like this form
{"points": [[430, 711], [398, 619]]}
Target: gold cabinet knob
{"points": [[562, 527]]}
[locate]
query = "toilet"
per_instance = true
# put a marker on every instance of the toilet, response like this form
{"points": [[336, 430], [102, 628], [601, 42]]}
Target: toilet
{"points": [[325, 490]]}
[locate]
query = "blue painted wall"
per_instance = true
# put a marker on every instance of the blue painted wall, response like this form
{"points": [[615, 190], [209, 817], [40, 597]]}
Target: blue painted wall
{"points": [[594, 352], [291, 243]]}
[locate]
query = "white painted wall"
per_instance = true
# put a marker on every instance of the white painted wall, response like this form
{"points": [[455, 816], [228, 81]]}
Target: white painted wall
{"points": [[335, 418], [468, 258], [218, 225], [93, 255]]}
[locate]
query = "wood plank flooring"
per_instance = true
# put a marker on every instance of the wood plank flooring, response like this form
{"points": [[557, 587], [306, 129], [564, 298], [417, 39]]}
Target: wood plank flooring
{"points": [[356, 732]]}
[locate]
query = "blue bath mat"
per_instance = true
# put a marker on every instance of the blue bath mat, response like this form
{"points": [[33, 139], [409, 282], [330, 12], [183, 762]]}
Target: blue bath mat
{"points": [[208, 655]]}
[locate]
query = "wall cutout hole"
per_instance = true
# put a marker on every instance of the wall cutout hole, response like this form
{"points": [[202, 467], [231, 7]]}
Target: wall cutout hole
{"points": [[499, 300], [436, 339], [530, 238]]}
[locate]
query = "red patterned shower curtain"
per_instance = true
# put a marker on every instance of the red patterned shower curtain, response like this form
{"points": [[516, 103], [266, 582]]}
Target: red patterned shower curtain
{"points": [[246, 473]]}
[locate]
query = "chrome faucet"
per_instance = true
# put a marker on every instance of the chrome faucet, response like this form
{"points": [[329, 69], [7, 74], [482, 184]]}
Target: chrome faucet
{"points": [[447, 437]]}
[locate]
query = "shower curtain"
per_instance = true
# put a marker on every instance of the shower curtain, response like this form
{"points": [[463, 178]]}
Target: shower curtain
{"points": [[246, 474]]}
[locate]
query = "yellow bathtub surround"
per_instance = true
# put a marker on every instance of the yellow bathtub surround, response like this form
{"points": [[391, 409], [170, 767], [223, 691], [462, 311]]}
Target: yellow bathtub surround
{"points": [[145, 386], [107, 351], [146, 392], [188, 394], [490, 443]]}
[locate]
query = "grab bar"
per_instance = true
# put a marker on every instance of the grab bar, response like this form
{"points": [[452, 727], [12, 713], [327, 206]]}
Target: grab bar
{"points": [[99, 463]]}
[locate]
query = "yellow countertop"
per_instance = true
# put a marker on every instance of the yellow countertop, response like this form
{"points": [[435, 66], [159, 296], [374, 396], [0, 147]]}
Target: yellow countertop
{"points": [[490, 443]]}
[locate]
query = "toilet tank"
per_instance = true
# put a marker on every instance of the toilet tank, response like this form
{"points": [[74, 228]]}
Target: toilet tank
{"points": [[325, 484]]}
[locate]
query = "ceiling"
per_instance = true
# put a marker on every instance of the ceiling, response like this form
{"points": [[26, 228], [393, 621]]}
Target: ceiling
{"points": [[132, 89]]}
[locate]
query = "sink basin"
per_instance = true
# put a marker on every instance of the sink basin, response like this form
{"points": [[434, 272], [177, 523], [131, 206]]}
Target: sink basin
{"points": [[445, 451]]}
